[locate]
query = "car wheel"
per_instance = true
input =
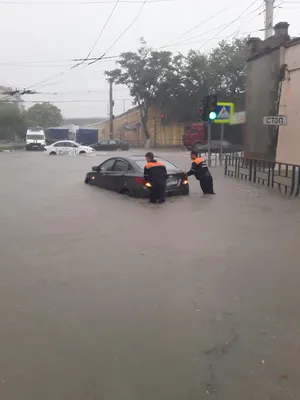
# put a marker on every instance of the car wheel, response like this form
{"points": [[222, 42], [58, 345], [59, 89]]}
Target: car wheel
{"points": [[52, 153], [82, 152]]}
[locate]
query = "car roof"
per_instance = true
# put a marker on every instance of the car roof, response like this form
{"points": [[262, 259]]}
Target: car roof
{"points": [[135, 158]]}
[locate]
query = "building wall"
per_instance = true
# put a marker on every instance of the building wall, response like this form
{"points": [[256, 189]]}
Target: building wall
{"points": [[288, 148], [161, 136], [261, 100]]}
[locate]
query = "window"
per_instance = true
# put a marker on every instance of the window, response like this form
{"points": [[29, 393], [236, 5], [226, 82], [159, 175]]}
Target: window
{"points": [[71, 144], [104, 142], [59, 144], [107, 165], [112, 142], [170, 167], [29, 136], [121, 165]]}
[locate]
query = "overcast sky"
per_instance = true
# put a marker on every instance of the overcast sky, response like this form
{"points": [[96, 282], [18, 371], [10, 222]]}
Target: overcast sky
{"points": [[38, 39]]}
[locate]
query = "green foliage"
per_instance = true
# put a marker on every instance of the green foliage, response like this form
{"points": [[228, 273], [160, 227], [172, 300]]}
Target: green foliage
{"points": [[11, 120], [44, 115], [176, 84], [14, 122], [144, 73]]}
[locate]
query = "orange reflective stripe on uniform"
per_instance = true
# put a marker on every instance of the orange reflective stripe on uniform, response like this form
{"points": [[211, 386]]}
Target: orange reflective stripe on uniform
{"points": [[154, 164], [199, 160]]}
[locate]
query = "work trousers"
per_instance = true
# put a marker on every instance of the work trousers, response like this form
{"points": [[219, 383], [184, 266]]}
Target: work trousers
{"points": [[207, 185], [157, 192]]}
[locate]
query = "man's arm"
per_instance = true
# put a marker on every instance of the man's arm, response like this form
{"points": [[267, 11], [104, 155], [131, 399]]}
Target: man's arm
{"points": [[193, 169], [146, 174]]}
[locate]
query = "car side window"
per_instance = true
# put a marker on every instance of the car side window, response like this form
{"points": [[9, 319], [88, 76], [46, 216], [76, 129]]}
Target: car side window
{"points": [[121, 165], [107, 165], [112, 142], [67, 144], [104, 142], [59, 144], [72, 144]]}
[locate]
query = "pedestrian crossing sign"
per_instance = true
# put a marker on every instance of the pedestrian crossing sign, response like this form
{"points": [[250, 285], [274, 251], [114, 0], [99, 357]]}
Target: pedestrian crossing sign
{"points": [[225, 112]]}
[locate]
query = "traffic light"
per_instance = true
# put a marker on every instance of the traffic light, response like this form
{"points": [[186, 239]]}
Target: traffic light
{"points": [[163, 119], [205, 108], [213, 103]]}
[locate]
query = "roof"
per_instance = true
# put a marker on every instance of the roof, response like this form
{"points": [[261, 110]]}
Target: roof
{"points": [[82, 121]]}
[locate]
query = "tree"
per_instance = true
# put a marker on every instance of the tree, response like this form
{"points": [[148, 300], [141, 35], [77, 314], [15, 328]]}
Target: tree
{"points": [[222, 71], [227, 66], [44, 115], [144, 72], [176, 84], [11, 120]]}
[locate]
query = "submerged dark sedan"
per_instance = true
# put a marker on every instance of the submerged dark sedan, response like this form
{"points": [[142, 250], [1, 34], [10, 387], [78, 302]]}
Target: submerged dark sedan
{"points": [[110, 145], [126, 175]]}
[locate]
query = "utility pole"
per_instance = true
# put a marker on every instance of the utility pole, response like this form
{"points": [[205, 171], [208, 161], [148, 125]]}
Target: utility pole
{"points": [[269, 18], [209, 143], [111, 110]]}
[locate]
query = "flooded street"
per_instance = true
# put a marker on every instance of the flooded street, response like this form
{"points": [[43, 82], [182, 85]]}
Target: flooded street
{"points": [[105, 297]]}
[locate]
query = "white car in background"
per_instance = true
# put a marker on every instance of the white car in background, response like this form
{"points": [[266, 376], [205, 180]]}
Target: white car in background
{"points": [[68, 148]]}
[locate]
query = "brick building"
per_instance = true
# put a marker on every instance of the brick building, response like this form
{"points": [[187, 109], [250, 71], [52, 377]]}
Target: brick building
{"points": [[127, 126]]}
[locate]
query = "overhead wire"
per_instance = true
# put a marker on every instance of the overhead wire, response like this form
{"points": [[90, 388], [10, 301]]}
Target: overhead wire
{"points": [[99, 36], [199, 24], [122, 34], [64, 101], [241, 26], [188, 40], [41, 3], [230, 23], [98, 58]]}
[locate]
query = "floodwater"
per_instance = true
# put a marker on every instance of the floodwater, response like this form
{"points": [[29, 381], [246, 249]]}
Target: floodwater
{"points": [[106, 297]]}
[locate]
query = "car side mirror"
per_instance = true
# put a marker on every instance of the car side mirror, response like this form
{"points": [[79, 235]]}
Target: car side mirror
{"points": [[96, 169]]}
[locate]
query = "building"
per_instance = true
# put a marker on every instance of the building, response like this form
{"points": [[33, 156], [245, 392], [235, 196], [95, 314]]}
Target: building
{"points": [[288, 146], [127, 126], [272, 87], [82, 121]]}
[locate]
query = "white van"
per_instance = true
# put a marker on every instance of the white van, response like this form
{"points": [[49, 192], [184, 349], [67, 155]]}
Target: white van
{"points": [[35, 139]]}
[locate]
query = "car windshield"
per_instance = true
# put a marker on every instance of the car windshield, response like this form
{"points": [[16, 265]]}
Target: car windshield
{"points": [[35, 137], [170, 167]]}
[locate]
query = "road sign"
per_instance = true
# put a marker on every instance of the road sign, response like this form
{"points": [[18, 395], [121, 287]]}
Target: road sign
{"points": [[278, 120], [225, 112]]}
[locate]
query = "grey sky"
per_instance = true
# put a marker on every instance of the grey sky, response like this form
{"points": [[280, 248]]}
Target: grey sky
{"points": [[55, 32]]}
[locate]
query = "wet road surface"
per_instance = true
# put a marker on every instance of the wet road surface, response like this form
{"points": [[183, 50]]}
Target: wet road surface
{"points": [[105, 297]]}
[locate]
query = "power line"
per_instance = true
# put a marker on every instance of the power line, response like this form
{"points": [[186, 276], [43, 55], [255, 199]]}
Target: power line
{"points": [[86, 92], [199, 24], [63, 101], [231, 22], [97, 59], [241, 26], [72, 60], [56, 3], [188, 40], [123, 33], [100, 34]]}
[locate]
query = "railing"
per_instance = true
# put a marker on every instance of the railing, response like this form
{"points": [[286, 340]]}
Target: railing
{"points": [[284, 177]]}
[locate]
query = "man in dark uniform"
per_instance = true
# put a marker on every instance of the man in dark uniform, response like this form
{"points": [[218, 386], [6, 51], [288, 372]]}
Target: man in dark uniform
{"points": [[200, 170], [155, 173]]}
